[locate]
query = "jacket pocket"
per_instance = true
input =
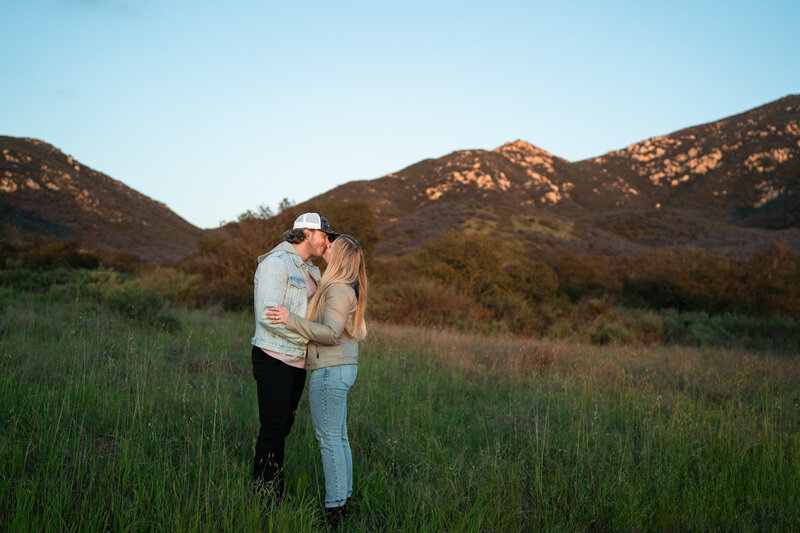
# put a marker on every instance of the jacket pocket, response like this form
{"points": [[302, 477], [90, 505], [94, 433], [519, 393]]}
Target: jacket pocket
{"points": [[297, 281], [296, 298]]}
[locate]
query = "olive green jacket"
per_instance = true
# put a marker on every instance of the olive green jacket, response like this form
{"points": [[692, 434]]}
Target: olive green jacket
{"points": [[339, 304]]}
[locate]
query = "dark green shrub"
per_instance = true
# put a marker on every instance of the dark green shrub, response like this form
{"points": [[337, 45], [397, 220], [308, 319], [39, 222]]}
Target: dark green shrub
{"points": [[607, 333], [778, 334], [425, 302], [133, 301], [28, 280], [470, 262], [702, 334], [534, 280], [561, 330], [772, 282], [50, 253], [515, 313], [132, 298], [686, 279], [176, 286], [583, 275], [647, 327]]}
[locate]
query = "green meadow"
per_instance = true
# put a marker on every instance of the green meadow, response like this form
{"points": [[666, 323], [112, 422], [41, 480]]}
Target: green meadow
{"points": [[115, 419]]}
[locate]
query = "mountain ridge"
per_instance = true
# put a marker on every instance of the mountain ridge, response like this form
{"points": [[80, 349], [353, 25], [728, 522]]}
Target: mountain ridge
{"points": [[735, 181], [741, 172], [41, 187]]}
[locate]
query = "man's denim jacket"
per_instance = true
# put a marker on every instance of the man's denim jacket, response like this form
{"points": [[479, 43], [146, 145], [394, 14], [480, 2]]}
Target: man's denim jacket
{"points": [[280, 279]]}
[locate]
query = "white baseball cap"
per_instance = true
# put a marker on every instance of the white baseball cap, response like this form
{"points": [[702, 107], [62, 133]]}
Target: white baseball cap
{"points": [[314, 221]]}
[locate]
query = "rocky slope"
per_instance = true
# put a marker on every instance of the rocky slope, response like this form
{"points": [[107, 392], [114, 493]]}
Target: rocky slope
{"points": [[728, 185], [46, 193]]}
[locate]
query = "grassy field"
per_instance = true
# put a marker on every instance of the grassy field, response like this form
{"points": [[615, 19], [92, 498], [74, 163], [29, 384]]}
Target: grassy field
{"points": [[113, 423]]}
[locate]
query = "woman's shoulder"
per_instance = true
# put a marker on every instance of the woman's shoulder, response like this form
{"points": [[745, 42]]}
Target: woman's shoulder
{"points": [[342, 290]]}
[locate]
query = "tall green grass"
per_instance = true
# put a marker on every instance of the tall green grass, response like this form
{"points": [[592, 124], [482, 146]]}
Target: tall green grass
{"points": [[108, 422]]}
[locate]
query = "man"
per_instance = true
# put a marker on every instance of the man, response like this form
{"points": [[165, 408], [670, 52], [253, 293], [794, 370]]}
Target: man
{"points": [[285, 276]]}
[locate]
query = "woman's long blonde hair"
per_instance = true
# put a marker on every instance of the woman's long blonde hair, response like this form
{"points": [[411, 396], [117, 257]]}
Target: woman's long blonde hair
{"points": [[346, 266]]}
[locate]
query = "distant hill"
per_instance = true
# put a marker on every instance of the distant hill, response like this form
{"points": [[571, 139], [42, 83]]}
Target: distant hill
{"points": [[729, 186], [743, 169], [46, 193]]}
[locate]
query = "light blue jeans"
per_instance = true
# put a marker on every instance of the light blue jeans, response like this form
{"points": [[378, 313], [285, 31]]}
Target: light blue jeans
{"points": [[327, 397]]}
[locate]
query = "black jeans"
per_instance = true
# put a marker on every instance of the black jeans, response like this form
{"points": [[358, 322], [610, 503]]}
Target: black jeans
{"points": [[279, 389]]}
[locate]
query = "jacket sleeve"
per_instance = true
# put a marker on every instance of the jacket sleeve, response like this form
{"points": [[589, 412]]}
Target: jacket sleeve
{"points": [[270, 290], [339, 300]]}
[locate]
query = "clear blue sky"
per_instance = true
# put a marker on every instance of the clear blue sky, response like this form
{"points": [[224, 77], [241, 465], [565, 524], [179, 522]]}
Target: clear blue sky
{"points": [[218, 107]]}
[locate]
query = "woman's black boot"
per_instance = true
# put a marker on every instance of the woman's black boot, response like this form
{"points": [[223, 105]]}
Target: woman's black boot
{"points": [[334, 516]]}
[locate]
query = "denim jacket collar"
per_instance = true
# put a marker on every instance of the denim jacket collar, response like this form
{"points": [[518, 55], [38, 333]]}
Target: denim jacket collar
{"points": [[305, 266]]}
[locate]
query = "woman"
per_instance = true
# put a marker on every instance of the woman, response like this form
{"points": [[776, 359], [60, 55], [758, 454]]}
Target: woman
{"points": [[335, 312]]}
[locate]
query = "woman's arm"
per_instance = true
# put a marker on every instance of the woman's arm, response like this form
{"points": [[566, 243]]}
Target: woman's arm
{"points": [[339, 300]]}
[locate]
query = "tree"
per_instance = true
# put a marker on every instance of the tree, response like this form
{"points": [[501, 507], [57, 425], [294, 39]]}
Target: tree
{"points": [[228, 258]]}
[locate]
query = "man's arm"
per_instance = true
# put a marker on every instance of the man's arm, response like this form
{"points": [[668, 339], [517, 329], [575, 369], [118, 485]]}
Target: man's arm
{"points": [[272, 278]]}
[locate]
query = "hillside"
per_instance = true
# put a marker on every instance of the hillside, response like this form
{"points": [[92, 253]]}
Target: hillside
{"points": [[46, 193], [728, 186], [743, 169]]}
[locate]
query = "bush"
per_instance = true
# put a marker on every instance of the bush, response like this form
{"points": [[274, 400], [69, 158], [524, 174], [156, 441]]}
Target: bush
{"points": [[562, 329], [703, 334], [606, 333], [227, 260], [486, 268], [534, 280], [176, 286], [47, 254], [471, 262], [648, 327], [513, 312], [692, 280], [583, 275], [425, 302], [772, 281], [28, 280], [132, 298], [732, 330], [686, 279]]}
